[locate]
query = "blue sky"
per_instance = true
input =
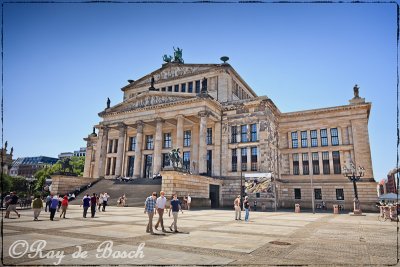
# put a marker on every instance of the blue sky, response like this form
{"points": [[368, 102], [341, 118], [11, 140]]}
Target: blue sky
{"points": [[62, 61]]}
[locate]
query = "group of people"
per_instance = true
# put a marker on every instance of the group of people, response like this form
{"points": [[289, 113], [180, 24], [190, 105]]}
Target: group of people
{"points": [[94, 202], [154, 205], [238, 210]]}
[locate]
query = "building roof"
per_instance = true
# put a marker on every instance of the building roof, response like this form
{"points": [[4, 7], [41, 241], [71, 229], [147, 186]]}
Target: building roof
{"points": [[34, 161]]}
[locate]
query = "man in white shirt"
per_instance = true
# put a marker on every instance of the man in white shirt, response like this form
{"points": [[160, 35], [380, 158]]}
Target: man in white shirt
{"points": [[189, 201], [160, 206]]}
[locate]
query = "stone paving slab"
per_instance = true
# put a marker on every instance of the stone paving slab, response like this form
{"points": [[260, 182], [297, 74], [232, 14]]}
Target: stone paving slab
{"points": [[253, 228], [57, 223], [116, 231], [215, 240], [152, 256]]}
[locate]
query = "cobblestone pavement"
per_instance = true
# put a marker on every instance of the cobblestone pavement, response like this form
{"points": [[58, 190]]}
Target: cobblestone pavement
{"points": [[208, 237]]}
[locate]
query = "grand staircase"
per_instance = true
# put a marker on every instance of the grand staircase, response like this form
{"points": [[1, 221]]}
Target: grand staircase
{"points": [[135, 191]]}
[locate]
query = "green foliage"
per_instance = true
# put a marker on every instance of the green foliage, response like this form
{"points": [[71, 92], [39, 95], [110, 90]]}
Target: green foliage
{"points": [[41, 176], [78, 164], [7, 183], [19, 184]]}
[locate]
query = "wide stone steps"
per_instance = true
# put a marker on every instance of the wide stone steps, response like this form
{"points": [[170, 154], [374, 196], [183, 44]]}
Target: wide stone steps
{"points": [[135, 193]]}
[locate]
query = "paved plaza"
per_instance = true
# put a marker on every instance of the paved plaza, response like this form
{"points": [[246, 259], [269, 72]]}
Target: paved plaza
{"points": [[209, 237]]}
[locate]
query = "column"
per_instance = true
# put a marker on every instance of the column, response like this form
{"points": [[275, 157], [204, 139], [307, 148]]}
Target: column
{"points": [[103, 152], [179, 132], [202, 142], [158, 146], [138, 150], [120, 148]]}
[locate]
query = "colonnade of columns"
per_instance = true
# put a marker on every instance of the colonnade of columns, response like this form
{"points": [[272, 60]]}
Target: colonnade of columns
{"points": [[158, 145]]}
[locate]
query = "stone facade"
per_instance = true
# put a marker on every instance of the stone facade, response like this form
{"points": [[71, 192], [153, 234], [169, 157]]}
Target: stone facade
{"points": [[64, 184], [224, 130]]}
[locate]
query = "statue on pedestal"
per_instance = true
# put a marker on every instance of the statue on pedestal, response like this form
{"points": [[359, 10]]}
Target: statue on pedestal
{"points": [[356, 91], [108, 102]]}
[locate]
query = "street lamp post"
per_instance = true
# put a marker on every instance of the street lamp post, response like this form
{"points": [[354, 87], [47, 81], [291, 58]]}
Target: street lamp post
{"points": [[354, 174], [241, 185]]}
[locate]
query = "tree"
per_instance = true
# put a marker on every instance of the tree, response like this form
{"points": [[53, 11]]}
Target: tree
{"points": [[41, 176], [78, 164], [6, 183]]}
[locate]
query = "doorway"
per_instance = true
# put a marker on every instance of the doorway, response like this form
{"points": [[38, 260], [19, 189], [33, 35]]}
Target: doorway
{"points": [[214, 196]]}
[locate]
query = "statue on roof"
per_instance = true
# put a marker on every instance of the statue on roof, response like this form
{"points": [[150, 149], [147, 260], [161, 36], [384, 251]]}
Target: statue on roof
{"points": [[356, 91], [167, 58], [108, 102], [12, 151], [178, 55], [204, 85]]}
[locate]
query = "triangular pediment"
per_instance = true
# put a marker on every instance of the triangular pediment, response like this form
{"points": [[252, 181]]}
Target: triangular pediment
{"points": [[171, 71], [147, 99]]}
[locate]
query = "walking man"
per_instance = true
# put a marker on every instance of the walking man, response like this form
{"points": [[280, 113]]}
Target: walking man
{"points": [[160, 206], [12, 205], [37, 205], [53, 206], [236, 205], [100, 201], [175, 207], [93, 204], [86, 204], [105, 200], [149, 207], [64, 206], [48, 201]]}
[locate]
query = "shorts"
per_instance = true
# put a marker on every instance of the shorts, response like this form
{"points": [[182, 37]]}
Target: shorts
{"points": [[12, 207]]}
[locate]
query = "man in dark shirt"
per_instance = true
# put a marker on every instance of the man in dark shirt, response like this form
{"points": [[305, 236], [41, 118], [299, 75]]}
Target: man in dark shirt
{"points": [[93, 204], [12, 205], [86, 204], [175, 207]]}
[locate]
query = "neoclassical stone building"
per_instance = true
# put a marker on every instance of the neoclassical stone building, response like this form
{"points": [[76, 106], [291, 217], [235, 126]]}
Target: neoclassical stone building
{"points": [[223, 129]]}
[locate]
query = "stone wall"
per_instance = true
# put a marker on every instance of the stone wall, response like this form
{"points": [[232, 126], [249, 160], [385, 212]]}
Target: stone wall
{"points": [[63, 184], [198, 187], [366, 194]]}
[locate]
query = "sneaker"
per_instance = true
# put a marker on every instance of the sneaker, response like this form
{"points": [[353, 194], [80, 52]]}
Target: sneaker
{"points": [[170, 228]]}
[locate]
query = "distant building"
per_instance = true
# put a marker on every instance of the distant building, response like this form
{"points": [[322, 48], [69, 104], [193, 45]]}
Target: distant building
{"points": [[28, 166], [64, 155], [81, 152], [77, 153]]}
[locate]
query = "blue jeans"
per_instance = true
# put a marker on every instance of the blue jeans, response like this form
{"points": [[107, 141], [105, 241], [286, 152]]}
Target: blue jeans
{"points": [[246, 216]]}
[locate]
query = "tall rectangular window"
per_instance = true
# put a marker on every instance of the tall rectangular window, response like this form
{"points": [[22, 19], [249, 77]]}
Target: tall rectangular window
{"points": [[131, 165], [317, 193], [295, 140], [297, 193], [306, 167], [197, 88], [169, 88], [296, 169], [336, 162], [110, 146], [163, 89], [314, 138], [183, 87], [149, 142], [176, 88], [166, 160], [243, 133], [315, 162], [187, 136], [339, 194], [167, 140], [209, 136], [132, 143], [304, 142], [115, 145], [334, 137], [254, 158], [108, 166], [244, 159], [113, 166], [186, 160], [324, 137], [325, 162], [190, 87], [234, 160], [233, 134], [253, 129]]}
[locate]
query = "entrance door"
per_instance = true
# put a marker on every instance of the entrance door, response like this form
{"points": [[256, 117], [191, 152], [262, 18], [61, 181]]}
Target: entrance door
{"points": [[214, 196], [148, 166], [131, 164], [209, 162]]}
